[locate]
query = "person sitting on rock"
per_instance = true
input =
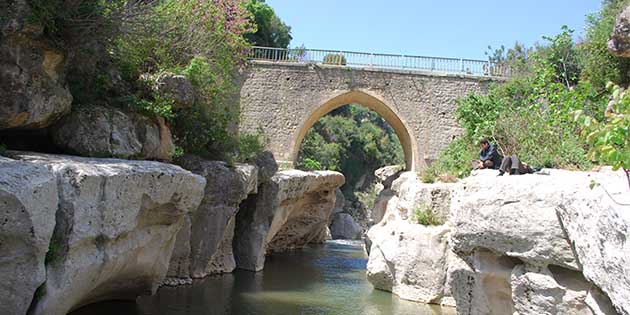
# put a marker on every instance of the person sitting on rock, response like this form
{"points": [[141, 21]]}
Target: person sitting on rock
{"points": [[513, 165], [489, 157]]}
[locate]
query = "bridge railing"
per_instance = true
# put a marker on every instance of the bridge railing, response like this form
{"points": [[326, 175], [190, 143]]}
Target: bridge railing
{"points": [[383, 61]]}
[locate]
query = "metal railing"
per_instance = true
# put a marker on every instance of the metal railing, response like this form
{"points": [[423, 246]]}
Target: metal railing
{"points": [[383, 61]]}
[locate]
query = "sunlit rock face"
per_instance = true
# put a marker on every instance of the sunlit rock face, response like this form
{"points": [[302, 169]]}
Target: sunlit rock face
{"points": [[115, 223], [291, 210], [28, 201], [529, 244], [204, 244]]}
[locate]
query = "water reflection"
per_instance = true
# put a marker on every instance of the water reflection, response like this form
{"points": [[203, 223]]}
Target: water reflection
{"points": [[322, 279]]}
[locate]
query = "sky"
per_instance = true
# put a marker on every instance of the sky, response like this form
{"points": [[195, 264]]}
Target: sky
{"points": [[444, 28]]}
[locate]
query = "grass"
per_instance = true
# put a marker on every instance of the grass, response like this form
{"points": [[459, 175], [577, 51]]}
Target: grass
{"points": [[423, 214]]}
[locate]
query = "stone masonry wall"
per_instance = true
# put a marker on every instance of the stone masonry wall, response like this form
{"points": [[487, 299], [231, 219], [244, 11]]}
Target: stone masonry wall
{"points": [[279, 98]]}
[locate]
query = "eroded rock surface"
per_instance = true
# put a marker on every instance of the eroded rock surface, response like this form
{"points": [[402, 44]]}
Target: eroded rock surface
{"points": [[619, 43], [529, 244], [100, 131], [407, 258], [115, 227], [176, 87], [204, 244], [28, 201], [291, 210], [344, 227], [32, 74]]}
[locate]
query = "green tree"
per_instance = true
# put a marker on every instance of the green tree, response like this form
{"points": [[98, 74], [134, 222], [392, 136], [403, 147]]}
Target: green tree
{"points": [[271, 31], [599, 65], [353, 140]]}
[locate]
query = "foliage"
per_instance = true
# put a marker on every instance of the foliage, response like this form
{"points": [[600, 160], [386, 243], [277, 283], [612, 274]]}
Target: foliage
{"points": [[599, 66], [3, 150], [311, 165], [335, 59], [531, 114], [424, 214], [367, 197], [353, 140], [270, 30], [250, 145], [66, 22], [609, 139], [453, 162]]}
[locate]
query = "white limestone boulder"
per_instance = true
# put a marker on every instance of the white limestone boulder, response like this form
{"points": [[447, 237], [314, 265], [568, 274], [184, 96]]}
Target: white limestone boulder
{"points": [[28, 201], [291, 210], [115, 229], [513, 216]]}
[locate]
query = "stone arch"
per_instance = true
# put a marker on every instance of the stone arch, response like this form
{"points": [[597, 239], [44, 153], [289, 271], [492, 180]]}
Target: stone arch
{"points": [[403, 132]]}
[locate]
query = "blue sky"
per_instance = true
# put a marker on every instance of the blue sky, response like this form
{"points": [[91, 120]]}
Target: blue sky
{"points": [[446, 28]]}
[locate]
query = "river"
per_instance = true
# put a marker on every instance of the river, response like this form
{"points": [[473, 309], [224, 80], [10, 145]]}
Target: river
{"points": [[320, 279]]}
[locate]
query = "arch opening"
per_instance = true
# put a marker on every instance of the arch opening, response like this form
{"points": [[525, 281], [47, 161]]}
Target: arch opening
{"points": [[371, 102]]}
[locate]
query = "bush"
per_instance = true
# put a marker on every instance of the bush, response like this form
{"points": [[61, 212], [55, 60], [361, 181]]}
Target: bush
{"points": [[334, 59], [311, 165], [610, 139], [423, 214], [250, 145], [367, 197]]}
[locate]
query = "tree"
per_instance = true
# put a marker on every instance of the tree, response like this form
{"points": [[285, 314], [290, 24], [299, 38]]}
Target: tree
{"points": [[271, 31]]}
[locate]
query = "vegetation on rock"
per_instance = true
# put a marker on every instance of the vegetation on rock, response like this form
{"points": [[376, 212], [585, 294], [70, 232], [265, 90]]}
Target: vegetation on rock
{"points": [[533, 113]]}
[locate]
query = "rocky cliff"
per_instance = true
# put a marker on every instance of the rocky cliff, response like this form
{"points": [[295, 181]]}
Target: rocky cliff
{"points": [[291, 210], [82, 230], [530, 244]]}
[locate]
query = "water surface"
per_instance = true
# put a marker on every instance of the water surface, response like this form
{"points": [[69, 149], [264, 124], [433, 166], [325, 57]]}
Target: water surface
{"points": [[320, 279]]}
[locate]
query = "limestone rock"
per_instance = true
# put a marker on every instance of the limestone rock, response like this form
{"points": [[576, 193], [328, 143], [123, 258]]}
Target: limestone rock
{"points": [[267, 166], [176, 87], [388, 174], [28, 201], [32, 74], [100, 131], [115, 228], [204, 246], [406, 258], [537, 290], [513, 216], [481, 286], [344, 227], [619, 43], [597, 221], [340, 201], [291, 210]]}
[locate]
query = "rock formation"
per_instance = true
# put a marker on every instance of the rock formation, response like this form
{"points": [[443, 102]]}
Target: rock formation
{"points": [[115, 223], [100, 131], [619, 43], [543, 245], [291, 210], [28, 201], [204, 244], [32, 77], [176, 87]]}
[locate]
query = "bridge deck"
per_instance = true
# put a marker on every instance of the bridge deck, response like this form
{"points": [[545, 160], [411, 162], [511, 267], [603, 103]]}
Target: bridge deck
{"points": [[380, 61]]}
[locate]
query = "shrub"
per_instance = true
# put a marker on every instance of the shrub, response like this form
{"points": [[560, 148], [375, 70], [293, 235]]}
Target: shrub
{"points": [[610, 138], [423, 214], [311, 165], [334, 59], [250, 145], [367, 197]]}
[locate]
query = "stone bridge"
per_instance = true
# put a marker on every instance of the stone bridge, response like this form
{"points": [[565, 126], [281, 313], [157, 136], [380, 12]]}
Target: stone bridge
{"points": [[285, 99]]}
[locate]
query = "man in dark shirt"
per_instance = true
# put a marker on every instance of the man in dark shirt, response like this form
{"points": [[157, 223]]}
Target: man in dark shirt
{"points": [[489, 157]]}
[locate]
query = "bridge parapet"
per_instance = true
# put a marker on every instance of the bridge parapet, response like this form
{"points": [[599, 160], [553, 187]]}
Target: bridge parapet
{"points": [[380, 61]]}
